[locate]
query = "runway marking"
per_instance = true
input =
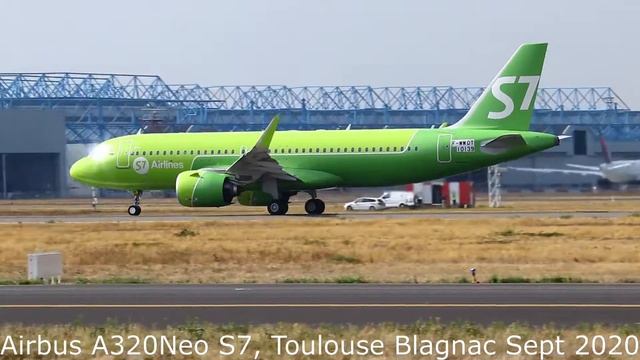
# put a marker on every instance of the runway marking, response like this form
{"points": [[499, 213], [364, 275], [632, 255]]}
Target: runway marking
{"points": [[214, 306]]}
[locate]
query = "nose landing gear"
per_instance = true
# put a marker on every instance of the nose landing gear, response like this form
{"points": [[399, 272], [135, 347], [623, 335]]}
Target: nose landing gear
{"points": [[135, 209]]}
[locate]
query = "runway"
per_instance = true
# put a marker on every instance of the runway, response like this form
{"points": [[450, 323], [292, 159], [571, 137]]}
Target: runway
{"points": [[159, 305], [408, 214]]}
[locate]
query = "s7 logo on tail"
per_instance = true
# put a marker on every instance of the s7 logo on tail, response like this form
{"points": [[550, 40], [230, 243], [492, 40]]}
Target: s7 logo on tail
{"points": [[496, 91]]}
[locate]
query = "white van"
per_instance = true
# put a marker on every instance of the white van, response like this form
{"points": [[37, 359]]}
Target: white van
{"points": [[398, 199]]}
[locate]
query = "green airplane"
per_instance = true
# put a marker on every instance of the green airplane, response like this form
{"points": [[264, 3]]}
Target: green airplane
{"points": [[267, 168]]}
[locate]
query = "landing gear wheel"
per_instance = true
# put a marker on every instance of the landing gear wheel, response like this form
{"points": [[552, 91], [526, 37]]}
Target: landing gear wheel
{"points": [[314, 207], [134, 210], [278, 207]]}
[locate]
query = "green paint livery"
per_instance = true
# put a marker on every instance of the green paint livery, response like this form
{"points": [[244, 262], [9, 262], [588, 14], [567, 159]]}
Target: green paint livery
{"points": [[265, 168]]}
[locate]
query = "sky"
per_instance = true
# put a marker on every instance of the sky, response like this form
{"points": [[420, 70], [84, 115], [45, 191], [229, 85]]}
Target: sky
{"points": [[326, 42]]}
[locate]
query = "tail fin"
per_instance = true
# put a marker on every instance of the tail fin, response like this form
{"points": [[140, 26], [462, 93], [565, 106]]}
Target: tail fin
{"points": [[605, 150], [507, 103]]}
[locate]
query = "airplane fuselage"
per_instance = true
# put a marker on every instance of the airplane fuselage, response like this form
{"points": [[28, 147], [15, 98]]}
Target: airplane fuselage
{"points": [[320, 159], [621, 171]]}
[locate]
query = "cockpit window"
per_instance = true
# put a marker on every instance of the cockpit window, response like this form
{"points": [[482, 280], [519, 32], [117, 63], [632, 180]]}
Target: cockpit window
{"points": [[100, 152]]}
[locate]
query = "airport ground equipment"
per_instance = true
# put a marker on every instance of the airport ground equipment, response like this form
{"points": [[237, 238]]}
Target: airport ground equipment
{"points": [[458, 194], [45, 266]]}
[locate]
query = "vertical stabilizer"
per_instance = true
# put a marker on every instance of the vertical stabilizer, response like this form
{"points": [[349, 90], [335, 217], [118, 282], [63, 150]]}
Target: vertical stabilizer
{"points": [[605, 150], [507, 103]]}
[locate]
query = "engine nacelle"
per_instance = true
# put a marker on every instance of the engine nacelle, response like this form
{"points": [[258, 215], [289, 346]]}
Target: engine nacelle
{"points": [[204, 189]]}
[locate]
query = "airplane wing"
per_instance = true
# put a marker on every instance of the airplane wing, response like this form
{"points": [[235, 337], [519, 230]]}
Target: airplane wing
{"points": [[558, 171], [584, 167], [257, 162], [615, 166]]}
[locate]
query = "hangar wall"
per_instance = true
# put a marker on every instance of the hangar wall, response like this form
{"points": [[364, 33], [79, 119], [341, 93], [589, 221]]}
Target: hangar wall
{"points": [[32, 148]]}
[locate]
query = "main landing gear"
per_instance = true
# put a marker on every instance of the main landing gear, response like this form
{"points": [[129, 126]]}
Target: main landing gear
{"points": [[314, 206], [278, 207], [135, 209]]}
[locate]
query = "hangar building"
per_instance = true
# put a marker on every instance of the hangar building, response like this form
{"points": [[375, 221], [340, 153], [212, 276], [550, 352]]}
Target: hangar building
{"points": [[32, 153]]}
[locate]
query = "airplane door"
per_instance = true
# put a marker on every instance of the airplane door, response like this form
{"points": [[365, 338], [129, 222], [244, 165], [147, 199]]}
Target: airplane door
{"points": [[444, 148], [123, 159]]}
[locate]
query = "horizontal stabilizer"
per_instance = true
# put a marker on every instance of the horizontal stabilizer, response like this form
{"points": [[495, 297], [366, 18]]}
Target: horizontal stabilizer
{"points": [[585, 167], [502, 144]]}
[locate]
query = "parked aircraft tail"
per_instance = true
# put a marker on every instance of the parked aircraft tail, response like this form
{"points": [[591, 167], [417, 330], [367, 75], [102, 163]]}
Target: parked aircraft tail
{"points": [[508, 102], [605, 150]]}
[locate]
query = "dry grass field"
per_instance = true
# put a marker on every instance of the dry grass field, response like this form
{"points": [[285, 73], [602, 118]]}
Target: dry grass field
{"points": [[261, 339], [335, 249]]}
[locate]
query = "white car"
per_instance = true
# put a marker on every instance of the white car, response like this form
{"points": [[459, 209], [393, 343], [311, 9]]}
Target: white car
{"points": [[365, 203], [398, 199]]}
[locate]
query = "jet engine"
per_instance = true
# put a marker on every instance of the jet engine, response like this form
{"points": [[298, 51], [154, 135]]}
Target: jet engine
{"points": [[204, 189]]}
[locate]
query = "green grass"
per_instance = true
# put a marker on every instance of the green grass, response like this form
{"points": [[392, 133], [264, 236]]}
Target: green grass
{"points": [[186, 232], [345, 259], [495, 279], [21, 282], [349, 279], [112, 280]]}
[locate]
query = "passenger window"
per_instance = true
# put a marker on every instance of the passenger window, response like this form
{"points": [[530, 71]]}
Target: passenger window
{"points": [[359, 149], [401, 148], [296, 150], [353, 149], [317, 150], [198, 152], [178, 152], [303, 150], [289, 151], [205, 152], [408, 148], [388, 149], [324, 150], [233, 151], [415, 148], [380, 148], [164, 152], [218, 151], [144, 153], [345, 149], [395, 148], [171, 152], [225, 151], [330, 150]]}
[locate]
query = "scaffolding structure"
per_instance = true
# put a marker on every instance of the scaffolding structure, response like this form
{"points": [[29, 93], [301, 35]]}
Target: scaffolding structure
{"points": [[495, 189], [101, 106]]}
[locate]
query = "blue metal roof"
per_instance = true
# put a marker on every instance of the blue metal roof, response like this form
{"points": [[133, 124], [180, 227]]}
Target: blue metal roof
{"points": [[99, 106]]}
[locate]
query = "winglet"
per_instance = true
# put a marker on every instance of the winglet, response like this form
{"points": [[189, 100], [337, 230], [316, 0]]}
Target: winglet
{"points": [[265, 139]]}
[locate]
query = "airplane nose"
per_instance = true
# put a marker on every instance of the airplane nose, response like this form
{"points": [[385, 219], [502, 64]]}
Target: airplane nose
{"points": [[78, 170]]}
